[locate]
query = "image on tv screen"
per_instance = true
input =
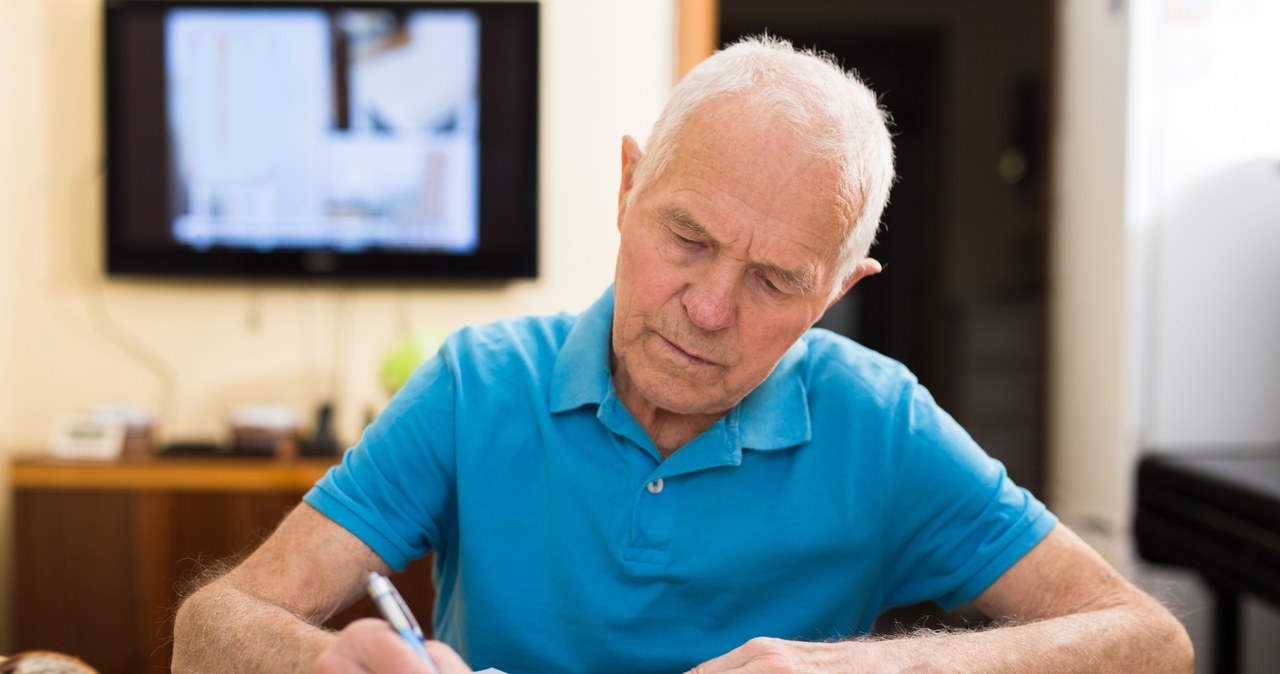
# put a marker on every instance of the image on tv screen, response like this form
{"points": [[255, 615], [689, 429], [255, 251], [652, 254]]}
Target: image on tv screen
{"points": [[304, 128]]}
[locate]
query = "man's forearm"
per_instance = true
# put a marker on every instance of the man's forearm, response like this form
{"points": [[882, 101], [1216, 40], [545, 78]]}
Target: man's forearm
{"points": [[222, 629], [1125, 640]]}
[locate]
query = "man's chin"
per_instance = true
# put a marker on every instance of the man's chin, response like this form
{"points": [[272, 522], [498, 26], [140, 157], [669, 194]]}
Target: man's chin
{"points": [[680, 398]]}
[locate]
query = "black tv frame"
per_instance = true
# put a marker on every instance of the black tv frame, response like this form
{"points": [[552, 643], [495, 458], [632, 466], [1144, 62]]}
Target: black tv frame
{"points": [[135, 115]]}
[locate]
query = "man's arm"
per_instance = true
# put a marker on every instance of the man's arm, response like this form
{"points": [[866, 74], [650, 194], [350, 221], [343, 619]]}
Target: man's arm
{"points": [[1062, 609], [264, 615]]}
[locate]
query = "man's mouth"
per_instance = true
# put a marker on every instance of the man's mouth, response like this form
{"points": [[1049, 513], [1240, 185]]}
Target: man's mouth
{"points": [[689, 355]]}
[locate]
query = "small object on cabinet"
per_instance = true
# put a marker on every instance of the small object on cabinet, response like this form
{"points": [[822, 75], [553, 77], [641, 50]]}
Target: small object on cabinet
{"points": [[264, 430]]}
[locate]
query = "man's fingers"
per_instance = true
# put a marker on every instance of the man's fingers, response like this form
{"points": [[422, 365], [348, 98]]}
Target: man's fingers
{"points": [[725, 663], [447, 660], [756, 653], [370, 645], [767, 655]]}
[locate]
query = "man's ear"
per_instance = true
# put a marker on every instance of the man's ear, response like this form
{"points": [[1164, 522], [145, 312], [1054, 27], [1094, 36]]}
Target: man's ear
{"points": [[865, 267], [630, 160]]}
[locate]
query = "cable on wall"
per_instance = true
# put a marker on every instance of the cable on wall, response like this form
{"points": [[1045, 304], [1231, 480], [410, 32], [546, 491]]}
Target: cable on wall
{"points": [[99, 315]]}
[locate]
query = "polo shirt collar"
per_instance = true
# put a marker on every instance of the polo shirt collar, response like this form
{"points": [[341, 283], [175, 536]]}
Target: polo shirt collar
{"points": [[773, 416], [581, 375]]}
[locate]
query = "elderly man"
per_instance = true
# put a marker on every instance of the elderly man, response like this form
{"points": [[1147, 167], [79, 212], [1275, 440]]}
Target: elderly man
{"points": [[686, 475]]}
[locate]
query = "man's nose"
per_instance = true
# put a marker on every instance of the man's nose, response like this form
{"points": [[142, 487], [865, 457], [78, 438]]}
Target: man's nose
{"points": [[709, 300]]}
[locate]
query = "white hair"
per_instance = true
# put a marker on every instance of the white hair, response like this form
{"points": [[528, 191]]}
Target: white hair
{"points": [[832, 111]]}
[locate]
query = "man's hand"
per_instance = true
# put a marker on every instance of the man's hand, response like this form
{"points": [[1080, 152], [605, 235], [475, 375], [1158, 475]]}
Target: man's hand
{"points": [[370, 646], [777, 656]]}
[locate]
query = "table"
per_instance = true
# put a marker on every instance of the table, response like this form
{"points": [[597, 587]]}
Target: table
{"points": [[1219, 515], [99, 546]]}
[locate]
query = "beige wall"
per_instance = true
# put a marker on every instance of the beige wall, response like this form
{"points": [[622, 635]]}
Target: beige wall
{"points": [[1091, 448], [70, 339], [23, 170]]}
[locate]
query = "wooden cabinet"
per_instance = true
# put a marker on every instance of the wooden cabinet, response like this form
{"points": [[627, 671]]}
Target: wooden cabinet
{"points": [[100, 548]]}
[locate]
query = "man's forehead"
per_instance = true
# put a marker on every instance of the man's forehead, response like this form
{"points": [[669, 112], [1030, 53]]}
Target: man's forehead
{"points": [[763, 152]]}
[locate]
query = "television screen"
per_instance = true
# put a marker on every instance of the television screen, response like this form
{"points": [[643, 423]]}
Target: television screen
{"points": [[313, 139]]}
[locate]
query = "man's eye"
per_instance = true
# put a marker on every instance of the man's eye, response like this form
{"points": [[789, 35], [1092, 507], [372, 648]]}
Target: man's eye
{"points": [[685, 241], [769, 284]]}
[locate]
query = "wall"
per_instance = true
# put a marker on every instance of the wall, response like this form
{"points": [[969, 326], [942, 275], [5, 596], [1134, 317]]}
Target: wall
{"points": [[1090, 448], [187, 351], [1207, 212]]}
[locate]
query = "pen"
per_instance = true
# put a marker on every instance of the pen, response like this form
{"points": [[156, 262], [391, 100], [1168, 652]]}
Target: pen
{"points": [[393, 608]]}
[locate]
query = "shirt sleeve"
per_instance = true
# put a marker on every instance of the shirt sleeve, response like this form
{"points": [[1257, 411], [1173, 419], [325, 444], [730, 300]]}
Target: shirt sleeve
{"points": [[394, 489], [957, 522]]}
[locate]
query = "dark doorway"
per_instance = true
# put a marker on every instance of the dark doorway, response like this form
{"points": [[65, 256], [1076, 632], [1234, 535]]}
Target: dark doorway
{"points": [[962, 298]]}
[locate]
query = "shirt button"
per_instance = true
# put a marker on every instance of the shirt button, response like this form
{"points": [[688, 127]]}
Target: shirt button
{"points": [[655, 487]]}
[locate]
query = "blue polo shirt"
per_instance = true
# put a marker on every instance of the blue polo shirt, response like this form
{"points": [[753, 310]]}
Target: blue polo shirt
{"points": [[564, 543]]}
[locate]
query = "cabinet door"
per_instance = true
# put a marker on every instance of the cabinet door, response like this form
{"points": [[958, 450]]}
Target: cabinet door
{"points": [[74, 580]]}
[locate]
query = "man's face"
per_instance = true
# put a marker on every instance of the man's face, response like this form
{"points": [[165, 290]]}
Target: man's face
{"points": [[726, 258]]}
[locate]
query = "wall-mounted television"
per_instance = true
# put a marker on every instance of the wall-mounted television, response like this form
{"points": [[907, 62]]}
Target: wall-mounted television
{"points": [[377, 139]]}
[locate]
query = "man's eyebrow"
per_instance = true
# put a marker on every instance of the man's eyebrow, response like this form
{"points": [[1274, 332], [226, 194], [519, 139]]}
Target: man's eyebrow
{"points": [[801, 279], [683, 219]]}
